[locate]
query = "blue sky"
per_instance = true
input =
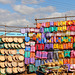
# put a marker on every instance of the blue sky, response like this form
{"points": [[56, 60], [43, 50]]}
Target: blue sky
{"points": [[61, 6], [23, 12]]}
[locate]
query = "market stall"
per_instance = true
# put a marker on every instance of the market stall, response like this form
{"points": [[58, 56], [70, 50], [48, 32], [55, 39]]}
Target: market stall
{"points": [[47, 48]]}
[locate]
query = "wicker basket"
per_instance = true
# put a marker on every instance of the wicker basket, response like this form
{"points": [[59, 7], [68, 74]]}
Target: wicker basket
{"points": [[22, 45], [2, 58], [2, 51], [9, 64], [3, 71], [21, 51], [3, 39], [10, 58], [15, 70], [2, 64], [13, 52], [21, 58], [20, 40], [20, 64], [10, 39], [14, 64], [9, 70], [16, 40]]}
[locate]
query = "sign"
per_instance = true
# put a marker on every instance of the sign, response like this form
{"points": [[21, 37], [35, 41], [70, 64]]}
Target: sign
{"points": [[2, 33], [13, 34]]}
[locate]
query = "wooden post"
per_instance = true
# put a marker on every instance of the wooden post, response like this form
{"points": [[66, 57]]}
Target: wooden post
{"points": [[65, 17], [5, 29], [36, 21]]}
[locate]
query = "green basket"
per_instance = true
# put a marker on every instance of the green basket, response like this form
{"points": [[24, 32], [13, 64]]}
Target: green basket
{"points": [[46, 30], [1, 46], [51, 29], [55, 29], [73, 45], [56, 67], [27, 54], [0, 40], [31, 68], [66, 53]]}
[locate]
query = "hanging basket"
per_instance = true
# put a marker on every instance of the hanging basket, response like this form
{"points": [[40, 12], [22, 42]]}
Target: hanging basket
{"points": [[23, 45], [15, 70], [20, 64], [2, 64], [20, 40], [10, 39], [16, 40], [10, 58], [21, 58], [14, 63], [9, 70], [21, 51], [3, 71]]}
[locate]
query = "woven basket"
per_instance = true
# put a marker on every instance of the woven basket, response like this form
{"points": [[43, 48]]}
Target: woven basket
{"points": [[6, 63], [9, 70], [2, 51], [19, 46], [6, 45], [2, 64], [10, 39], [22, 45], [13, 45], [9, 45], [15, 70], [2, 70], [10, 58], [15, 57], [21, 58], [9, 64], [20, 40], [14, 64], [3, 39], [7, 39], [21, 69], [20, 64], [2, 58], [16, 45], [16, 40], [7, 52], [21, 51], [13, 51]]}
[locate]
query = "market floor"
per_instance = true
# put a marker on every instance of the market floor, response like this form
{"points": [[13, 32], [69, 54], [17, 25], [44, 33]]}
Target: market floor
{"points": [[49, 74]]}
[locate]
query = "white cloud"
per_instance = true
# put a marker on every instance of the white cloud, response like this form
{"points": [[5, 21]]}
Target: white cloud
{"points": [[13, 19], [6, 1], [26, 10], [32, 1], [56, 14]]}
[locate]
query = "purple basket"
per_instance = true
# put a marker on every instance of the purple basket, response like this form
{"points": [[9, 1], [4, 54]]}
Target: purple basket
{"points": [[50, 55], [32, 60], [51, 46], [38, 54], [51, 23], [41, 29], [43, 35], [44, 55], [47, 46], [23, 31], [27, 60], [68, 66]]}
